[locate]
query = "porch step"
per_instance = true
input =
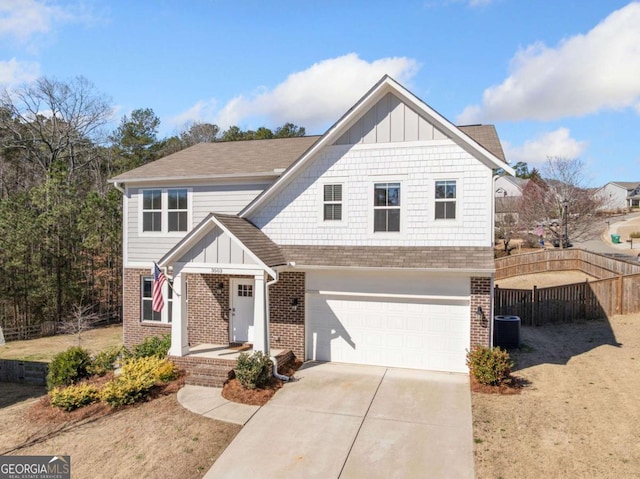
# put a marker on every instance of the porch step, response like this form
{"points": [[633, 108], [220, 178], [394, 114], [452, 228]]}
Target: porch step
{"points": [[205, 371]]}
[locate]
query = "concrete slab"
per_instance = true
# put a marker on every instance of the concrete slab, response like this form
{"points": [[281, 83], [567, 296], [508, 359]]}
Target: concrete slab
{"points": [[210, 403], [424, 396], [332, 388], [283, 443], [387, 448]]}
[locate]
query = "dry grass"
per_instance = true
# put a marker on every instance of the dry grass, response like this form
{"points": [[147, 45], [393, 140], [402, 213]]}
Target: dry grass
{"points": [[544, 280], [43, 349], [578, 415], [153, 439]]}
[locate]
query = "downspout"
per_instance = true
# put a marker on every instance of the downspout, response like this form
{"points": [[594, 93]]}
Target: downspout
{"points": [[493, 229], [117, 186], [274, 361]]}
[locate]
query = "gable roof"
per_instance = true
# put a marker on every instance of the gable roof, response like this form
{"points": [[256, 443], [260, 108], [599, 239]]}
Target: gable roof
{"points": [[379, 90], [248, 236], [487, 136], [223, 159], [627, 185]]}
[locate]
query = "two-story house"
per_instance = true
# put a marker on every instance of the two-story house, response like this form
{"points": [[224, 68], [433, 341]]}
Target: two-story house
{"points": [[370, 244]]}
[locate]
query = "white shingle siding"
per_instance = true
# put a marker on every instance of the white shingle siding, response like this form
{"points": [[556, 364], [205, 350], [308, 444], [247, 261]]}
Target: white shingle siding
{"points": [[226, 198], [291, 217]]}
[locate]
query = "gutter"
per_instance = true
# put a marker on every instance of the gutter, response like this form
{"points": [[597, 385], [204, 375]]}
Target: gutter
{"points": [[117, 186]]}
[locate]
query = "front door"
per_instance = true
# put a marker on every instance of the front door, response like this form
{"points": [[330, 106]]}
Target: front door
{"points": [[242, 305]]}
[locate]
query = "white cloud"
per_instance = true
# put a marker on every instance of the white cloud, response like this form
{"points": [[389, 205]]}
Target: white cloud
{"points": [[202, 111], [14, 72], [23, 18], [535, 152], [583, 74], [316, 96]]}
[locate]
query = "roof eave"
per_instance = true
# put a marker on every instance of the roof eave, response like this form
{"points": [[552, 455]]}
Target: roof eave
{"points": [[226, 176]]}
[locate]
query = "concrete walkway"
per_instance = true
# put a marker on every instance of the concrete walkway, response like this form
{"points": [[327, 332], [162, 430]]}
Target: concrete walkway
{"points": [[347, 421], [210, 403]]}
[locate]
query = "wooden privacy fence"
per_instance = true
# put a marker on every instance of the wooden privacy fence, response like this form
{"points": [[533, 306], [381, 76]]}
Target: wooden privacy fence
{"points": [[617, 293]]}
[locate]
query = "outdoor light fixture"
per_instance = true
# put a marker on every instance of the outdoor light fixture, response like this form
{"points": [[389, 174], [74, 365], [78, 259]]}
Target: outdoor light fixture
{"points": [[565, 205], [220, 287], [481, 316], [294, 304]]}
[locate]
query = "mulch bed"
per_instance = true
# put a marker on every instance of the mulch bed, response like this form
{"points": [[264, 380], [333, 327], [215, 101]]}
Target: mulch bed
{"points": [[235, 392], [514, 386]]}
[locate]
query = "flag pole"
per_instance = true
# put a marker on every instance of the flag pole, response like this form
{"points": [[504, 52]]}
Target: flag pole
{"points": [[168, 282]]}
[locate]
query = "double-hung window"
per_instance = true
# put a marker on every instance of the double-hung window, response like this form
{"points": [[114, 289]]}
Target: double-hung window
{"points": [[177, 209], [386, 207], [165, 210], [152, 210], [332, 202], [445, 201], [148, 314]]}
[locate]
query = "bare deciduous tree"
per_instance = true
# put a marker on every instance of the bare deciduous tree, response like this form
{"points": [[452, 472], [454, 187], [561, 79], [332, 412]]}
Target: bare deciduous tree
{"points": [[82, 319], [561, 201]]}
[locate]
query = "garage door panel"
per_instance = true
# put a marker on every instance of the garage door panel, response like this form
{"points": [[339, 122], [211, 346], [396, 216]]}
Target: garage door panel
{"points": [[395, 333]]}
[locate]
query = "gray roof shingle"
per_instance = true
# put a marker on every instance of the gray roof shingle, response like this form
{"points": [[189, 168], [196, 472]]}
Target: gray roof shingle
{"points": [[444, 257], [224, 158], [487, 136]]}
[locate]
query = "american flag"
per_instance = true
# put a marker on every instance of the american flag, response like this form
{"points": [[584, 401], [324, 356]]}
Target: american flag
{"points": [[158, 280]]}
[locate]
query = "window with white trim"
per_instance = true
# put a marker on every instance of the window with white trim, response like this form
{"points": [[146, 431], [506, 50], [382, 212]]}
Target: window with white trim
{"points": [[177, 209], [148, 314], [332, 202], [152, 210], [165, 210], [386, 207], [445, 200]]}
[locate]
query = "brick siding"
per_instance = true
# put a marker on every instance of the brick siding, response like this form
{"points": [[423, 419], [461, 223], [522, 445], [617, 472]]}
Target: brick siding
{"points": [[286, 325], [134, 331], [480, 296], [208, 310]]}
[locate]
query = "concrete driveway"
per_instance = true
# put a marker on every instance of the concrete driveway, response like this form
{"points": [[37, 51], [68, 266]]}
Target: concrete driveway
{"points": [[347, 421]]}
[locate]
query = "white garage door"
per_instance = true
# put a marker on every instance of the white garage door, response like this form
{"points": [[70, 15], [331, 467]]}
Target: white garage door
{"points": [[417, 331]]}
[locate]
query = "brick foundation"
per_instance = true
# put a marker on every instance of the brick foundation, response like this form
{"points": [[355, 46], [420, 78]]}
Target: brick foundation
{"points": [[480, 296]]}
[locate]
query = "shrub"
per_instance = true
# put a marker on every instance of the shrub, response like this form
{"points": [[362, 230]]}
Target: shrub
{"points": [[137, 378], [68, 367], [635, 235], [104, 361], [491, 366], [74, 396], [253, 371], [153, 346]]}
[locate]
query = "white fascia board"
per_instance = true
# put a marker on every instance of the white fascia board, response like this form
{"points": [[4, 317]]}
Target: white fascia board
{"points": [[485, 273], [195, 178]]}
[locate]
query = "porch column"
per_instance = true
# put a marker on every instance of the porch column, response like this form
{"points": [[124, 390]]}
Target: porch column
{"points": [[179, 333], [260, 340]]}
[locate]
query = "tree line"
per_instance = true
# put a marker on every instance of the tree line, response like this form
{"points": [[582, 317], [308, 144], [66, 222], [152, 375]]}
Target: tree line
{"points": [[60, 221]]}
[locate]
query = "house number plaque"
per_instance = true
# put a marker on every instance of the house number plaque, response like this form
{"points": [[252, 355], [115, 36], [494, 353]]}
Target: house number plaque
{"points": [[216, 270]]}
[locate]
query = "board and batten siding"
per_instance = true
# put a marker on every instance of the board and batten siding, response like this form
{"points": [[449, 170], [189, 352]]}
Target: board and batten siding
{"points": [[226, 198], [293, 215], [217, 247]]}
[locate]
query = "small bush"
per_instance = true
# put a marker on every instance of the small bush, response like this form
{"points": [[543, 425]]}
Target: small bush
{"points": [[635, 235], [253, 371], [153, 346], [137, 378], [104, 361], [490, 366], [68, 367], [74, 396]]}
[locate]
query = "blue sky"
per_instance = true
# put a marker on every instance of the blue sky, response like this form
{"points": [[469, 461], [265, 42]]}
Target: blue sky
{"points": [[557, 78]]}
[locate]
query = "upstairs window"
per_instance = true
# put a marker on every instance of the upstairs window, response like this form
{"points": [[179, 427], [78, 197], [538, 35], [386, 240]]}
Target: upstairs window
{"points": [[165, 210], [445, 200], [386, 207], [177, 209], [332, 203], [152, 210]]}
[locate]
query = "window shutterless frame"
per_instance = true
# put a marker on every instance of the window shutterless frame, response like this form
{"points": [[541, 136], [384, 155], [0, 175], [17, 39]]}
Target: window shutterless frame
{"points": [[146, 300], [445, 199], [386, 206], [165, 211]]}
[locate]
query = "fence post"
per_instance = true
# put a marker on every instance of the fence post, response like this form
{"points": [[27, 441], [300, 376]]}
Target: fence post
{"points": [[619, 296], [534, 302]]}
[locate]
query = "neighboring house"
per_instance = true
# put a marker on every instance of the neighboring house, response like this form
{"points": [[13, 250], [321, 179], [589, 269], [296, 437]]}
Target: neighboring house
{"points": [[370, 244], [618, 195], [508, 186]]}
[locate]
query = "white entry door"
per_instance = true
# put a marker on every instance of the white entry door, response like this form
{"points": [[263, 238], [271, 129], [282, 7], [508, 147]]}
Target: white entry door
{"points": [[242, 304]]}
